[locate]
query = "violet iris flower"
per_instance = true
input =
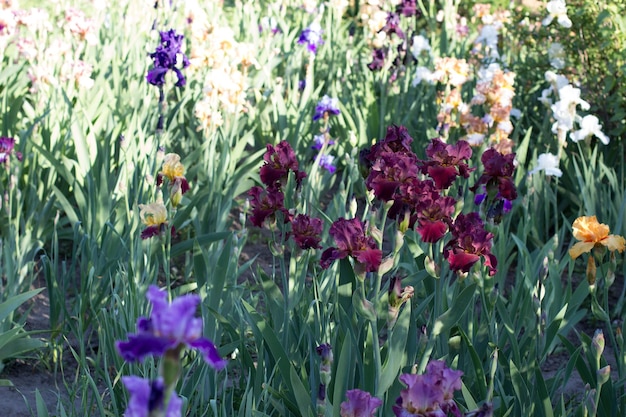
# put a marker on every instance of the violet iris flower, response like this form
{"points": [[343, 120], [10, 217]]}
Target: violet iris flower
{"points": [[165, 58], [6, 149], [429, 394], [170, 327], [359, 404], [326, 106], [312, 37], [148, 396]]}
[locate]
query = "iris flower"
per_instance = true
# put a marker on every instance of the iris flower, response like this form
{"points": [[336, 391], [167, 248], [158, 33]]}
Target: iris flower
{"points": [[154, 216], [147, 398], [165, 58], [350, 238], [170, 327], [359, 404], [592, 234]]}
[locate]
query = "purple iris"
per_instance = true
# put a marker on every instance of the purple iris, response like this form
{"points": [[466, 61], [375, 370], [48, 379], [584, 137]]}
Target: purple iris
{"points": [[165, 58], [311, 37], [170, 327], [326, 162], [6, 149], [147, 397], [326, 106]]}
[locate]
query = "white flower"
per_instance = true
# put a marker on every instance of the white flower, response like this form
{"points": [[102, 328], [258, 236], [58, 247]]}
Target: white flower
{"points": [[486, 73], [420, 44], [423, 74], [589, 125], [558, 9], [571, 95], [489, 38], [548, 163], [475, 139], [556, 54]]}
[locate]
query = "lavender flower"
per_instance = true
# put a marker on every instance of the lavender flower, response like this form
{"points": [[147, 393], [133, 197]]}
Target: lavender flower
{"points": [[311, 37], [170, 327], [147, 397], [359, 404], [318, 142], [325, 107], [166, 57], [326, 162]]}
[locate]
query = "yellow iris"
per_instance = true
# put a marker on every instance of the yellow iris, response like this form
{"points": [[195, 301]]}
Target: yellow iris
{"points": [[590, 233], [172, 167], [154, 214]]}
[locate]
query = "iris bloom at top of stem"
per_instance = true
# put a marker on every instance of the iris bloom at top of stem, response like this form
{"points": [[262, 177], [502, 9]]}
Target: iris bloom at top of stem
{"points": [[154, 216], [590, 234]]}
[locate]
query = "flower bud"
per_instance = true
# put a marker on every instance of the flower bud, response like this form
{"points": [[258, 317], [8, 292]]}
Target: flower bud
{"points": [[591, 273], [603, 375], [597, 344]]}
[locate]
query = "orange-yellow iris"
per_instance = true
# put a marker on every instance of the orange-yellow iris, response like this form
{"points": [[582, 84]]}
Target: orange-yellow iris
{"points": [[590, 233]]}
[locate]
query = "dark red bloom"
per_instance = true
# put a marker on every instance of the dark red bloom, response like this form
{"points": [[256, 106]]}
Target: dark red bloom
{"points": [[378, 59], [279, 160], [350, 238], [470, 241], [390, 170], [307, 231], [446, 162], [498, 173], [265, 203], [397, 140], [434, 214]]}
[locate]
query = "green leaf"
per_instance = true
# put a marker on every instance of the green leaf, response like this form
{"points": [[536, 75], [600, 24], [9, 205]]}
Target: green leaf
{"points": [[14, 302], [396, 356], [453, 315]]}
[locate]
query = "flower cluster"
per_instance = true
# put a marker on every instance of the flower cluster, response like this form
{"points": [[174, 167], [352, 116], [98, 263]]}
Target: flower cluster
{"points": [[166, 57], [430, 394], [170, 328], [418, 190], [268, 200], [155, 215], [223, 62]]}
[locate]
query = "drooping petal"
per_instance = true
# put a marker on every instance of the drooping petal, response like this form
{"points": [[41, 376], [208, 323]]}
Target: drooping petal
{"points": [[579, 248], [209, 352], [139, 346], [614, 243]]}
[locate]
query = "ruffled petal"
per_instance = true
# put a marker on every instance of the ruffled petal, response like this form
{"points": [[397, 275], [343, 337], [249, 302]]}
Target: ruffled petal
{"points": [[614, 243]]}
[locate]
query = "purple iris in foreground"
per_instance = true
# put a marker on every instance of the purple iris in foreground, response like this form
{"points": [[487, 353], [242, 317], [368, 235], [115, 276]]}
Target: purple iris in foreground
{"points": [[170, 327], [148, 397], [166, 57], [326, 106]]}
